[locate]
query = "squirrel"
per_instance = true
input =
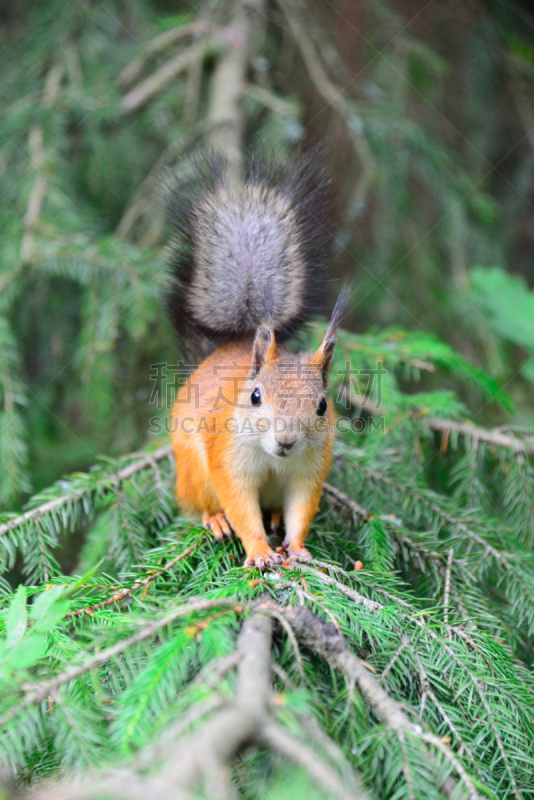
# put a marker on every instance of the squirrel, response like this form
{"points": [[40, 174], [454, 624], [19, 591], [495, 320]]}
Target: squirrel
{"points": [[252, 431]]}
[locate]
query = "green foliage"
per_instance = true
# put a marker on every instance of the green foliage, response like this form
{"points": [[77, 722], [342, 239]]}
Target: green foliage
{"points": [[508, 306], [82, 271], [443, 608], [105, 653]]}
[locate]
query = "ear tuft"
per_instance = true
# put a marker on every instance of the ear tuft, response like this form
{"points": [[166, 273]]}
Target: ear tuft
{"points": [[265, 348], [339, 308], [324, 354]]}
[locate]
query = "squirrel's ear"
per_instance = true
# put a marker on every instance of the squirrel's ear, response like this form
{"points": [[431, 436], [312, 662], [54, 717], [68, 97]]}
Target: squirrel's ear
{"points": [[265, 348], [324, 354]]}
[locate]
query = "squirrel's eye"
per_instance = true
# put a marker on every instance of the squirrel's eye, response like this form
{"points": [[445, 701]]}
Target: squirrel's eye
{"points": [[255, 397], [321, 408]]}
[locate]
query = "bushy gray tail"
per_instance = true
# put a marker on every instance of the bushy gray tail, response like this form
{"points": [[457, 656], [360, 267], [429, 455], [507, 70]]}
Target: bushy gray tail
{"points": [[243, 256]]}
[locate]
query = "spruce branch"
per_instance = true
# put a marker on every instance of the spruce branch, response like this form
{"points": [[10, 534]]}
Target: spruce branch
{"points": [[105, 483], [493, 437], [122, 594], [428, 691], [343, 499], [352, 594], [373, 606], [203, 761], [329, 644], [501, 557], [35, 693]]}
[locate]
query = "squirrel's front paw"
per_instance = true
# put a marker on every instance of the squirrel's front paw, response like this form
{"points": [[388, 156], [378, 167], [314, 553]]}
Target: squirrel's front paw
{"points": [[266, 559], [296, 553], [217, 524]]}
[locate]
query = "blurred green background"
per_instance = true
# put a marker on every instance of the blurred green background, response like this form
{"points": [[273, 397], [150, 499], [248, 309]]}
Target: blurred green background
{"points": [[426, 113]]}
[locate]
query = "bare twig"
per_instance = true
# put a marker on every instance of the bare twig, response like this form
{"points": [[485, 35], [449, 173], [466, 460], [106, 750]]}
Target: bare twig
{"points": [[145, 91], [159, 44], [194, 77], [50, 93]]}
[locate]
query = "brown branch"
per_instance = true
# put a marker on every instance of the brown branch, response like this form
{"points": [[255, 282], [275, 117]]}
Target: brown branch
{"points": [[206, 757], [115, 479], [121, 784], [204, 760]]}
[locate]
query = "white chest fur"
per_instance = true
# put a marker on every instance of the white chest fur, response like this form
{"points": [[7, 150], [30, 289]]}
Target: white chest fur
{"points": [[269, 475]]}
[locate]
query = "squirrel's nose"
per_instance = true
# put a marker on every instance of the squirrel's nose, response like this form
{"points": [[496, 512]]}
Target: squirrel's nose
{"points": [[286, 440]]}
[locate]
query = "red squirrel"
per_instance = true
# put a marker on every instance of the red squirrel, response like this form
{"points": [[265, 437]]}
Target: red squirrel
{"points": [[252, 428]]}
